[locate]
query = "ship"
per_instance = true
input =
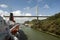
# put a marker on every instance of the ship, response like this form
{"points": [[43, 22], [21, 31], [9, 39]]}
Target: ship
{"points": [[8, 30]]}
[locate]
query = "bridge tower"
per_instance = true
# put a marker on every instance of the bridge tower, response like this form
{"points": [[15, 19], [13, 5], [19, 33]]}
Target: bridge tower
{"points": [[37, 12]]}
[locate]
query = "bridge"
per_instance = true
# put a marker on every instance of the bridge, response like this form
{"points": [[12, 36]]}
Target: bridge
{"points": [[38, 17], [28, 16]]}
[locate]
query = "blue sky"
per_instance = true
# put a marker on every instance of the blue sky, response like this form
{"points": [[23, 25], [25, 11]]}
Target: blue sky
{"points": [[28, 7]]}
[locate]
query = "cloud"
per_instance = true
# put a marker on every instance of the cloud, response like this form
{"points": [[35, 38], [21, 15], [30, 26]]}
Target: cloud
{"points": [[42, 15], [3, 12], [28, 14], [46, 6], [17, 13], [3, 6]]}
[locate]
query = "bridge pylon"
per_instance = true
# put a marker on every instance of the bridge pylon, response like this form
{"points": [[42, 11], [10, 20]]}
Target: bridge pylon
{"points": [[37, 13]]}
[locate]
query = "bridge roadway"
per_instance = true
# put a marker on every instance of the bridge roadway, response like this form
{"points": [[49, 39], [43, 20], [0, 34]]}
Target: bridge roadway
{"points": [[28, 16], [31, 34]]}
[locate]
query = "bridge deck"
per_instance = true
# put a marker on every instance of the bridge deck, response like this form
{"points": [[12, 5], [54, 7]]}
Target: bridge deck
{"points": [[28, 16]]}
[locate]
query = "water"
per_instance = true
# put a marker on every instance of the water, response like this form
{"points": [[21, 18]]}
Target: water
{"points": [[37, 35], [32, 34]]}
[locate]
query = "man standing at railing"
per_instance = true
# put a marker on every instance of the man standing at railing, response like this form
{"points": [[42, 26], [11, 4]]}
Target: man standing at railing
{"points": [[12, 25], [11, 21]]}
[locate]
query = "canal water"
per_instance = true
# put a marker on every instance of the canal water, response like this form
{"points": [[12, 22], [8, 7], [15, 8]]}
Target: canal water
{"points": [[37, 35]]}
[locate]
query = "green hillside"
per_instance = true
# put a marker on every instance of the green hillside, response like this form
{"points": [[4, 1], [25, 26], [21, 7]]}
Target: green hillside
{"points": [[51, 24]]}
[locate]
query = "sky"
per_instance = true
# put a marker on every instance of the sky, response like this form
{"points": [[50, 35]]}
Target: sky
{"points": [[28, 7]]}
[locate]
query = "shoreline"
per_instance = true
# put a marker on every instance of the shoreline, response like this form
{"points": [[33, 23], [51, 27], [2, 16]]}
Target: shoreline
{"points": [[48, 33]]}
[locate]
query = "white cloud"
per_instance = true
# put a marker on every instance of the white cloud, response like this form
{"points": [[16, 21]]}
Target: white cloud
{"points": [[3, 12], [42, 15], [28, 14], [3, 6], [46, 6], [17, 13]]}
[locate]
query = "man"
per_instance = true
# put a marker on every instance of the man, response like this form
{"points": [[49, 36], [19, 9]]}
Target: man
{"points": [[11, 23]]}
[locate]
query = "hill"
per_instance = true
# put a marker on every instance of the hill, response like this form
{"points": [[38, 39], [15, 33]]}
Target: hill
{"points": [[51, 24]]}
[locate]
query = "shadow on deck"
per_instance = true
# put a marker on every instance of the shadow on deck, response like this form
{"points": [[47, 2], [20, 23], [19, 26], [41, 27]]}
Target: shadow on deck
{"points": [[22, 35]]}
